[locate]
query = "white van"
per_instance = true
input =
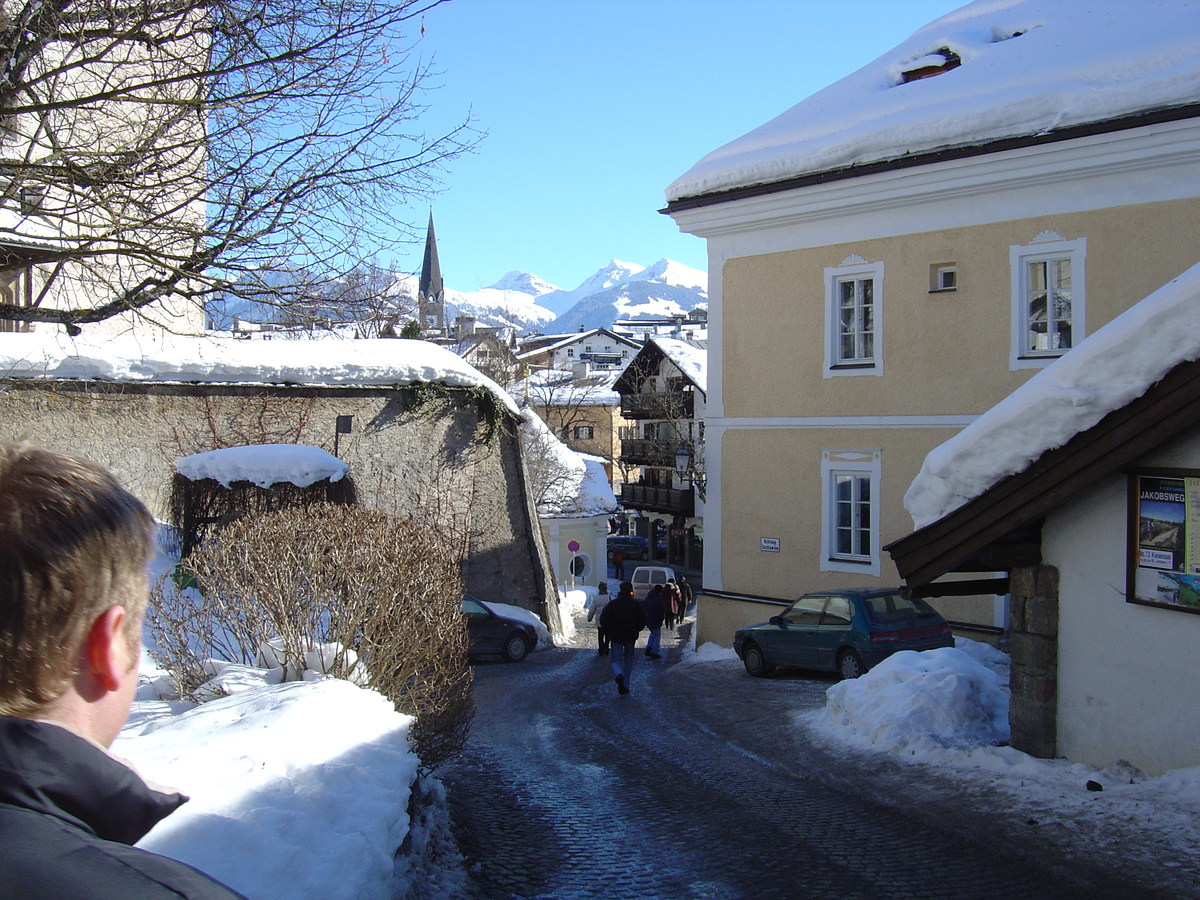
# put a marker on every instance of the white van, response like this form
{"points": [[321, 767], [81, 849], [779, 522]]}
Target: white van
{"points": [[645, 577]]}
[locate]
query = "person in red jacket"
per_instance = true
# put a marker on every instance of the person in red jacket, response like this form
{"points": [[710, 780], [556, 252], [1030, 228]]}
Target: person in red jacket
{"points": [[73, 590]]}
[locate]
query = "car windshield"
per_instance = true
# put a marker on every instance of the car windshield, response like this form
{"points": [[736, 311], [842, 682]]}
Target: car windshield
{"points": [[473, 607], [890, 607]]}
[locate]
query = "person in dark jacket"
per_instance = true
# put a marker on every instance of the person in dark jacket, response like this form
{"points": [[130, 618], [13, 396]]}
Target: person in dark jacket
{"points": [[623, 620], [73, 590], [655, 607]]}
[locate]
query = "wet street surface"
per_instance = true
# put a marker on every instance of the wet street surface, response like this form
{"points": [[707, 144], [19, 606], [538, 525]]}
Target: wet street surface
{"points": [[700, 785]]}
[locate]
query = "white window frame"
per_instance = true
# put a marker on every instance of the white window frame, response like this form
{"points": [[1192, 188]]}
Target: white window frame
{"points": [[860, 464], [1021, 355], [835, 276]]}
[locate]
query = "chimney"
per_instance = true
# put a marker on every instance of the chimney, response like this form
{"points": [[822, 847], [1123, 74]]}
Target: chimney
{"points": [[464, 326]]}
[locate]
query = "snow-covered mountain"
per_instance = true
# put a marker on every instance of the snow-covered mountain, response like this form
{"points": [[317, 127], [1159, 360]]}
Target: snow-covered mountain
{"points": [[616, 291], [664, 289], [511, 301]]}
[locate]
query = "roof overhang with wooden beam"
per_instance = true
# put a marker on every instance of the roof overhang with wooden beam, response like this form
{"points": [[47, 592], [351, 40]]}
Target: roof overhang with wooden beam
{"points": [[1001, 528]]}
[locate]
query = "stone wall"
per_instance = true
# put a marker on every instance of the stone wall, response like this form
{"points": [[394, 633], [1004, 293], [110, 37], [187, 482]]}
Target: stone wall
{"points": [[422, 453], [1033, 647]]}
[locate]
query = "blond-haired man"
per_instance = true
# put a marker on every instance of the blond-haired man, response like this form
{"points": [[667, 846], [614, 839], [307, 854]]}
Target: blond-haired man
{"points": [[74, 546]]}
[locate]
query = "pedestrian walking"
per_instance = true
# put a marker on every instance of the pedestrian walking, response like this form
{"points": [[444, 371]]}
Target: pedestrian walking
{"points": [[622, 620], [595, 606], [685, 591], [672, 604], [619, 563], [655, 610]]}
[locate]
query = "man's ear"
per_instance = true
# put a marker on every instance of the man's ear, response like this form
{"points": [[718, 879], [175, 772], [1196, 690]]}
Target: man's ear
{"points": [[105, 649]]}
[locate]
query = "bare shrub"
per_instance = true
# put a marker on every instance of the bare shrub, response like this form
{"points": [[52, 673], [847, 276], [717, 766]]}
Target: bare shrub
{"points": [[362, 595]]}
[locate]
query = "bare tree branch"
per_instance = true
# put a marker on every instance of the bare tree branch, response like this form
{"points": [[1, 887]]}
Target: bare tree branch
{"points": [[174, 152]]}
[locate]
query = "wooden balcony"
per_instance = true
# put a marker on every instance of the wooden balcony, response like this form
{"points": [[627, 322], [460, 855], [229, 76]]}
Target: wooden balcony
{"points": [[674, 405], [643, 452], [664, 500]]}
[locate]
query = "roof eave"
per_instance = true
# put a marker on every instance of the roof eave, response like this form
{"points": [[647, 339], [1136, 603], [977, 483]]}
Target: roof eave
{"points": [[931, 157], [1166, 410]]}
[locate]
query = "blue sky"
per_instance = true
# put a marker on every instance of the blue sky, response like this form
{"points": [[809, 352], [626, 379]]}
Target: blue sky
{"points": [[592, 107]]}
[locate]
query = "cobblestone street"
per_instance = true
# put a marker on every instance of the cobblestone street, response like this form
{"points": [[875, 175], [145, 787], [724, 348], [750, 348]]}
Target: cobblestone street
{"points": [[698, 785]]}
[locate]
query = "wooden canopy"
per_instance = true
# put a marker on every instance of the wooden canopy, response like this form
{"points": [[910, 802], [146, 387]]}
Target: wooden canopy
{"points": [[1001, 528]]}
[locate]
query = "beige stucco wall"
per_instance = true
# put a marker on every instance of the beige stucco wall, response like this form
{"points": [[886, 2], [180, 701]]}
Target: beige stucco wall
{"points": [[717, 618], [771, 487], [943, 353], [1127, 681], [426, 462]]}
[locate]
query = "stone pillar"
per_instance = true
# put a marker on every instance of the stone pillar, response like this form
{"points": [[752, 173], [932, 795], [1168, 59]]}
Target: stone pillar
{"points": [[1033, 645]]}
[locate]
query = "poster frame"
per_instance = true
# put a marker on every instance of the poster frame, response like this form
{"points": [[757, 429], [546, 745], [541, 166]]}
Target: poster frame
{"points": [[1133, 534]]}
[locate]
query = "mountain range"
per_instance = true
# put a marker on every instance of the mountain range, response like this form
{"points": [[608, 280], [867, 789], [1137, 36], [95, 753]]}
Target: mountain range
{"points": [[618, 291]]}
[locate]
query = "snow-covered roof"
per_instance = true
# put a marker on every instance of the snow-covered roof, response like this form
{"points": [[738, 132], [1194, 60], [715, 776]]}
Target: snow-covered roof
{"points": [[561, 341], [562, 387], [691, 360], [1027, 67], [168, 358], [580, 487], [20, 230], [264, 465], [1105, 372]]}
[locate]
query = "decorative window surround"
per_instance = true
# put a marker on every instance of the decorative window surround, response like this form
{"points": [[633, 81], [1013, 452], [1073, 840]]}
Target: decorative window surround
{"points": [[854, 318], [943, 278], [1048, 279], [850, 500]]}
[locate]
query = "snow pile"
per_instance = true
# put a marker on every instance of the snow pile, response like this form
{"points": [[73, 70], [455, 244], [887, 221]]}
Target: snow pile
{"points": [[912, 702], [1105, 372], [298, 790], [985, 654], [708, 653], [1028, 67], [212, 360], [264, 465]]}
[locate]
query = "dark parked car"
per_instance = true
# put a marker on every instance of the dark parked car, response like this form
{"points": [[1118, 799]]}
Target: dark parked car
{"points": [[492, 633], [845, 631], [631, 545]]}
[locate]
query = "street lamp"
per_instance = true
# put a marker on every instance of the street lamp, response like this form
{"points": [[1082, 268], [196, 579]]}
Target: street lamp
{"points": [[683, 460]]}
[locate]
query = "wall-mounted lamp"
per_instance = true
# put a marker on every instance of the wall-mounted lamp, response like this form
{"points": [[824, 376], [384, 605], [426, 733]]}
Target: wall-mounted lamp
{"points": [[683, 460]]}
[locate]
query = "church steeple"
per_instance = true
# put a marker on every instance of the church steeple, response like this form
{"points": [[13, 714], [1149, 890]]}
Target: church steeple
{"points": [[431, 290]]}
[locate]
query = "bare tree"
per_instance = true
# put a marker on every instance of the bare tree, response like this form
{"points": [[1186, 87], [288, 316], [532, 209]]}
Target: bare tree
{"points": [[156, 155], [553, 469], [566, 402], [370, 299]]}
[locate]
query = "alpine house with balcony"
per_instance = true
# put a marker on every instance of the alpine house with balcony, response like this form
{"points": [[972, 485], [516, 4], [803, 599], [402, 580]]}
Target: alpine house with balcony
{"points": [[663, 392]]}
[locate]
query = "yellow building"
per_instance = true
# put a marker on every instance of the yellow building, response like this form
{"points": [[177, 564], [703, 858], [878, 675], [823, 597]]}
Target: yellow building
{"points": [[897, 253]]}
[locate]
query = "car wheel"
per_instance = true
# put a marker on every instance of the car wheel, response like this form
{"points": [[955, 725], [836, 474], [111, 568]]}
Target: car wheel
{"points": [[755, 661], [515, 648], [850, 664]]}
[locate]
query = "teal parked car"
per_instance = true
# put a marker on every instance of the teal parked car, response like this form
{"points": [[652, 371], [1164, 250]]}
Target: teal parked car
{"points": [[844, 631]]}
